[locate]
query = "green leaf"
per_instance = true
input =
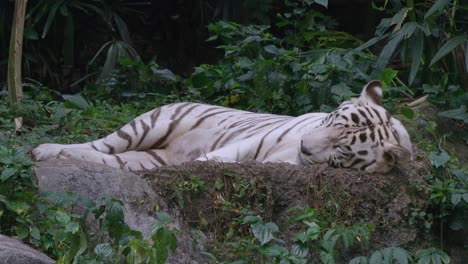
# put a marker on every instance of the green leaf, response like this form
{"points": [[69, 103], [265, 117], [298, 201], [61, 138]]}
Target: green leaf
{"points": [[399, 18], [250, 219], [456, 197], [103, 250], [19, 207], [75, 101], [72, 227], [438, 6], [465, 197], [21, 232], [51, 17], [166, 74], [123, 29], [458, 114], [359, 260], [407, 112], [400, 255], [273, 250], [114, 210], [323, 3], [387, 76], [62, 217], [272, 49], [327, 258], [7, 173], [439, 160], [163, 220], [300, 250], [388, 51], [448, 47], [262, 232], [416, 51], [34, 231], [432, 254]]}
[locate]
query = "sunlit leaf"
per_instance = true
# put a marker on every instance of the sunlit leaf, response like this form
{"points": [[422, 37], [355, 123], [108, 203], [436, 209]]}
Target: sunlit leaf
{"points": [[407, 112]]}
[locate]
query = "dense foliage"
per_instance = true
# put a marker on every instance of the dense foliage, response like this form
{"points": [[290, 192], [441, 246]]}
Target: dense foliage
{"points": [[297, 63]]}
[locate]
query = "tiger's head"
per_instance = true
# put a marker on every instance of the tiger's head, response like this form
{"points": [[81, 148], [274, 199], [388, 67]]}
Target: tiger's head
{"points": [[359, 134]]}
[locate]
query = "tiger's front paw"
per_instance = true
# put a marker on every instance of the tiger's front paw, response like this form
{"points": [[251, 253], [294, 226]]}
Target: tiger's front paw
{"points": [[47, 152]]}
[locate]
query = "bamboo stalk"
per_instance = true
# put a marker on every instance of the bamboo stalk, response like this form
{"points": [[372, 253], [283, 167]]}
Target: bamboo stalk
{"points": [[15, 90]]}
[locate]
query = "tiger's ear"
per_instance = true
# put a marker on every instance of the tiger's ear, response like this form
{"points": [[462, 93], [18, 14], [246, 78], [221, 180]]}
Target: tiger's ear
{"points": [[372, 92], [394, 154]]}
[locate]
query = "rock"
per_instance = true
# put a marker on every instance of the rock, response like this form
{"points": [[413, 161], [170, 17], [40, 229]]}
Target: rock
{"points": [[13, 251], [94, 180], [345, 196]]}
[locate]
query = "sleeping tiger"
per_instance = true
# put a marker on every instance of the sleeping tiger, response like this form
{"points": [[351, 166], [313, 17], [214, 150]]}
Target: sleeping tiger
{"points": [[358, 134]]}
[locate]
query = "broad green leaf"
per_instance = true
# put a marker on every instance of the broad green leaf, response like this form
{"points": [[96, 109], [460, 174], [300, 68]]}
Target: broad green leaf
{"points": [[458, 114], [416, 52], [114, 210], [19, 208], [300, 250], [21, 232], [456, 197], [272, 49], [432, 254], [273, 250], [250, 219], [262, 232], [138, 251], [465, 197], [439, 160], [34, 231], [7, 173], [166, 74], [448, 47], [400, 255], [438, 6], [75, 101], [359, 260], [379, 258], [387, 76], [103, 250], [407, 112], [72, 227], [327, 258], [62, 217]]}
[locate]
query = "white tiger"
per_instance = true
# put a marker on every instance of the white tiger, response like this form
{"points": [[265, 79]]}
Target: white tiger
{"points": [[358, 134]]}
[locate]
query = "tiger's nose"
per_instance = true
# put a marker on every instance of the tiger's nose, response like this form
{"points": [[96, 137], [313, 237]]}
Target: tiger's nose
{"points": [[304, 149]]}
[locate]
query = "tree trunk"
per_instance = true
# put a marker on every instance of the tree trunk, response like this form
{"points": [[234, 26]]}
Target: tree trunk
{"points": [[15, 90]]}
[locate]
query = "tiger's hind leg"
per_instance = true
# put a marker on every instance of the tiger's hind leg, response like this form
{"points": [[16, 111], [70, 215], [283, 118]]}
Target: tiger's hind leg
{"points": [[129, 160], [145, 132]]}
